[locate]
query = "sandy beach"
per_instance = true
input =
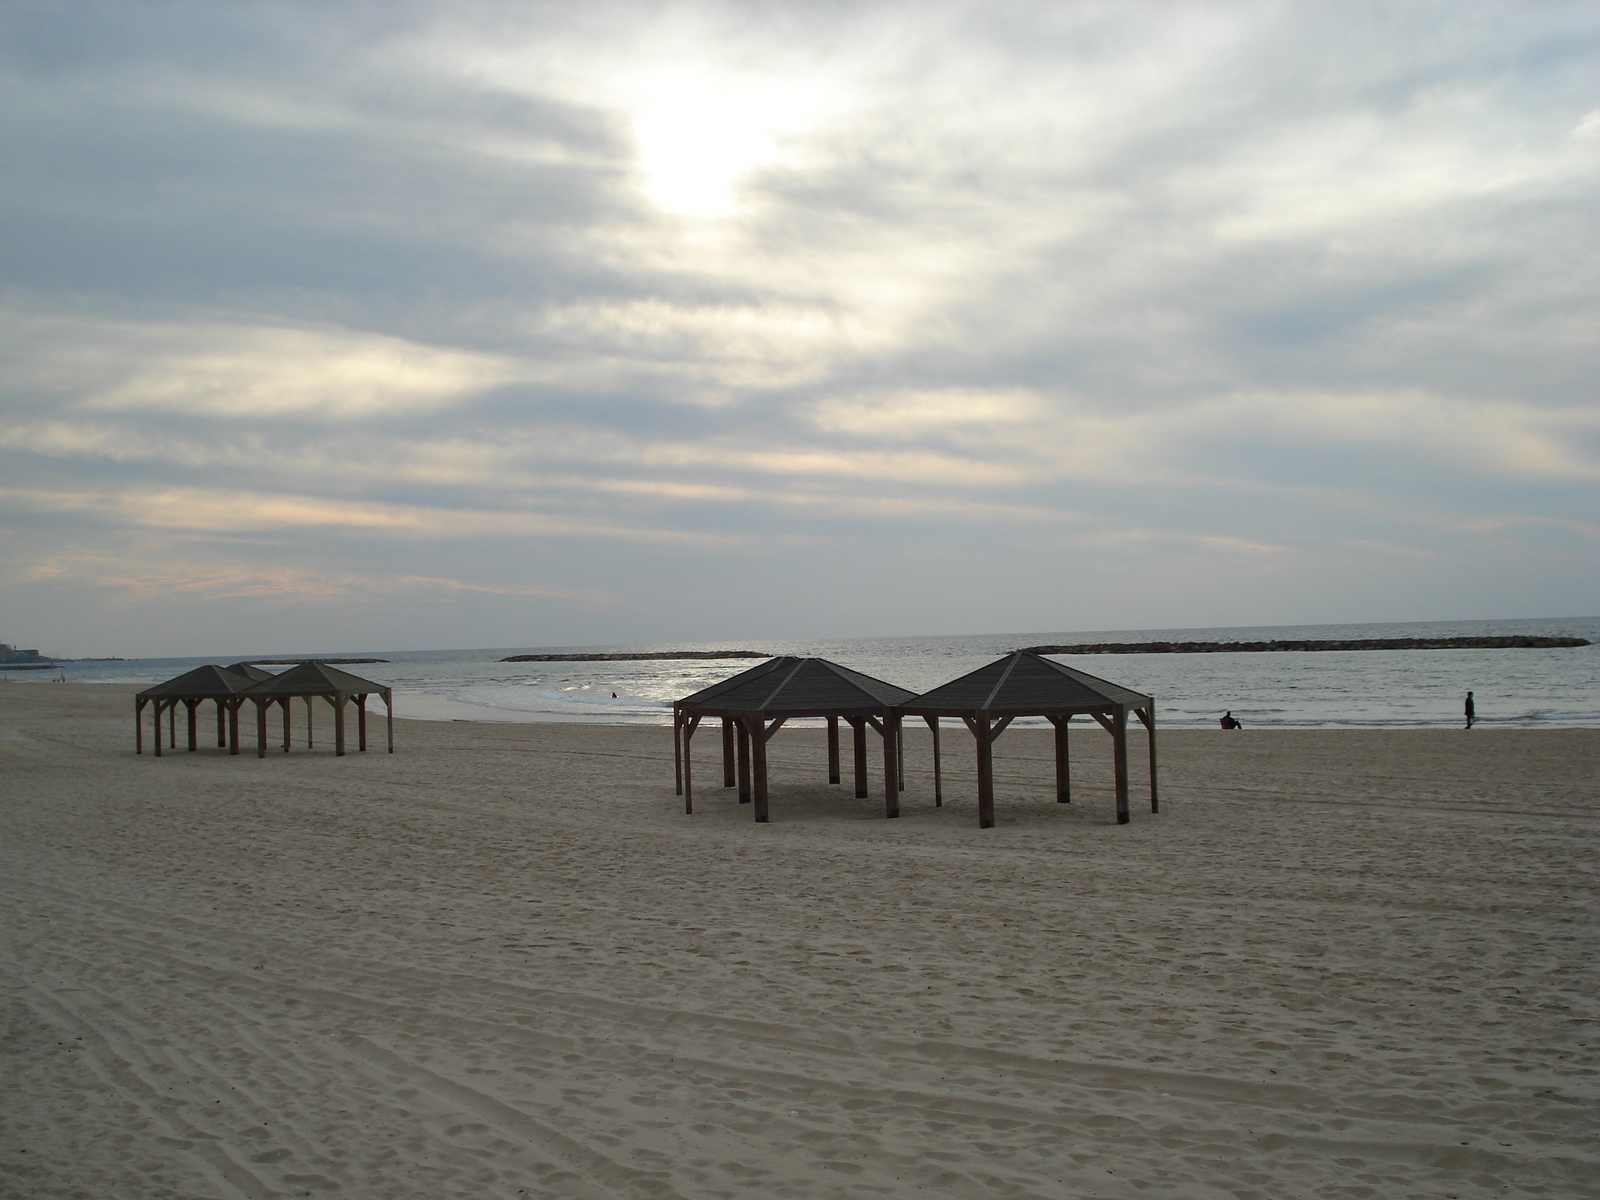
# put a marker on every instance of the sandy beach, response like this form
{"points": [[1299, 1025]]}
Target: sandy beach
{"points": [[502, 962]]}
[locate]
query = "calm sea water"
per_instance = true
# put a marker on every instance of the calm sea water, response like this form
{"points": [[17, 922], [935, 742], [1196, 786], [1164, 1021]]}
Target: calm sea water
{"points": [[1368, 688]]}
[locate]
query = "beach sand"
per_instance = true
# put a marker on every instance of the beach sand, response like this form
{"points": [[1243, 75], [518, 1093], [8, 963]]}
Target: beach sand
{"points": [[502, 962]]}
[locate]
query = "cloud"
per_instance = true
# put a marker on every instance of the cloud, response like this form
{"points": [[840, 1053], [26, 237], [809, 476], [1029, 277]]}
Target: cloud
{"points": [[774, 310]]}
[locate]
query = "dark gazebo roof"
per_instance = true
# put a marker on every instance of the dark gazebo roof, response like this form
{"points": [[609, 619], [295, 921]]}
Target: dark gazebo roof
{"points": [[1024, 684], [316, 679], [797, 687], [250, 671], [202, 683]]}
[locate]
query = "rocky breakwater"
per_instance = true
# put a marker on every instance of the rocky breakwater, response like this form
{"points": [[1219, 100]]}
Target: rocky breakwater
{"points": [[635, 657], [1450, 643]]}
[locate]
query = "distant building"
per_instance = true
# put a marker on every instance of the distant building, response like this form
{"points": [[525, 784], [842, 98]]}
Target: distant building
{"points": [[10, 655]]}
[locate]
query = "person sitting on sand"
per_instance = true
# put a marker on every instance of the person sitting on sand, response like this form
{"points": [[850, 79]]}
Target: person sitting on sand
{"points": [[1228, 721]]}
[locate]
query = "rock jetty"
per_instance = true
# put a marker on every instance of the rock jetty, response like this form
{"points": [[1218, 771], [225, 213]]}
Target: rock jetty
{"points": [[1450, 643], [636, 657], [300, 662]]}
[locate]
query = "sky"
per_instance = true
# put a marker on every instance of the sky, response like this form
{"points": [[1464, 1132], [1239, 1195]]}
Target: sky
{"points": [[425, 326]]}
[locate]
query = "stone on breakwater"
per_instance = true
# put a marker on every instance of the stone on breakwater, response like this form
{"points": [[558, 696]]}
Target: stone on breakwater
{"points": [[1450, 643]]}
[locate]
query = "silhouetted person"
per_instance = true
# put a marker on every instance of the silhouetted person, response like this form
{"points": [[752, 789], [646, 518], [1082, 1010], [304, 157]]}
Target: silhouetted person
{"points": [[1228, 721], [1472, 712]]}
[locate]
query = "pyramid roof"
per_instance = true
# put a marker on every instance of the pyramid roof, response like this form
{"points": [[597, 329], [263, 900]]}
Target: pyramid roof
{"points": [[202, 683], [250, 671], [316, 679], [1025, 684], [790, 686]]}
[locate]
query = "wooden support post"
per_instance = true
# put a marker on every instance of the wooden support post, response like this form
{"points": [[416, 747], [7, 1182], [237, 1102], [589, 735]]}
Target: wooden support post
{"points": [[858, 726], [938, 777], [891, 768], [689, 726], [288, 721], [310, 708], [982, 730], [388, 715], [361, 721], [338, 725], [261, 728], [742, 737], [138, 724], [758, 765], [1063, 759], [1119, 751], [677, 750], [194, 730], [222, 723], [155, 725], [833, 749], [233, 725], [729, 778], [172, 725], [1148, 716]]}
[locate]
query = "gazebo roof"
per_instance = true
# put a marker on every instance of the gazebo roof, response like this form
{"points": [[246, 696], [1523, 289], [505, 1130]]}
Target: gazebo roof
{"points": [[201, 683], [790, 686], [250, 671], [316, 679], [1024, 684]]}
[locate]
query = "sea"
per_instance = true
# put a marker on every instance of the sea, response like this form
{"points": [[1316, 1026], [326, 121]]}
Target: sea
{"points": [[1358, 689]]}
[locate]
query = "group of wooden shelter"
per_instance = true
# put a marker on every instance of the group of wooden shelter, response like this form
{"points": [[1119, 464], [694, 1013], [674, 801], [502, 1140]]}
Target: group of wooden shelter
{"points": [[231, 687], [755, 704]]}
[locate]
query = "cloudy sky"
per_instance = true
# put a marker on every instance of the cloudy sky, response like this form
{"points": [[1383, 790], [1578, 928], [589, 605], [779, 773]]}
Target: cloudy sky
{"points": [[414, 326]]}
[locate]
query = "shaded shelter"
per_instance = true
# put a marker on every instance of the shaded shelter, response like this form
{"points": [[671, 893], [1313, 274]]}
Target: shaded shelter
{"points": [[222, 685], [313, 679], [1025, 684], [754, 704]]}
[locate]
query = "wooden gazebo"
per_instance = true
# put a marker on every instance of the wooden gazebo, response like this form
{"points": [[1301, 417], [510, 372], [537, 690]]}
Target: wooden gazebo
{"points": [[192, 689], [754, 704], [1025, 684], [312, 679]]}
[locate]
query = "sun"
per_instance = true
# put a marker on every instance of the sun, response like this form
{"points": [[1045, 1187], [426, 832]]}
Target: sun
{"points": [[698, 138]]}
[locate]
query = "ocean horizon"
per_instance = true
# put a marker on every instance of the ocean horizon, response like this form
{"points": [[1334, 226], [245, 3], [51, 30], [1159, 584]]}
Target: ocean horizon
{"points": [[1516, 688]]}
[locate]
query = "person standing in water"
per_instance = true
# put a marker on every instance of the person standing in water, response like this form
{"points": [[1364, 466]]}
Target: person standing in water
{"points": [[1472, 712]]}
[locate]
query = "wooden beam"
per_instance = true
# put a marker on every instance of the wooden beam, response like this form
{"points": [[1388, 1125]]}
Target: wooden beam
{"points": [[677, 750], [690, 726], [361, 721], [833, 749], [288, 719], [388, 715], [310, 708], [194, 730], [858, 728], [1119, 750], [938, 780], [891, 768], [985, 774], [261, 729], [172, 725], [338, 725], [742, 737], [1063, 760], [776, 725], [138, 724], [758, 765], [222, 726], [729, 779], [233, 724], [1148, 716]]}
